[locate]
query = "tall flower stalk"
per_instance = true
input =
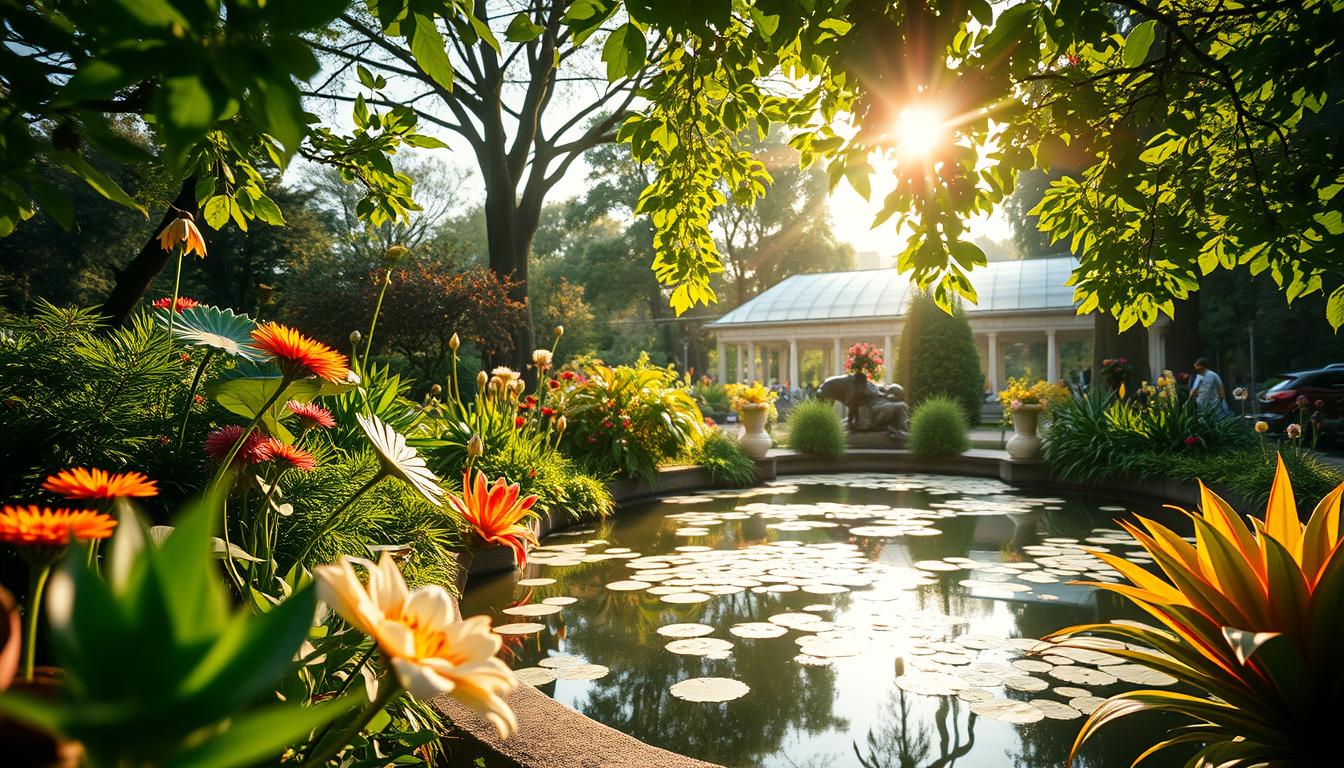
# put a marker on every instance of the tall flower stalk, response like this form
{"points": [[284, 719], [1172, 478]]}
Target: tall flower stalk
{"points": [[182, 236], [191, 393], [394, 255]]}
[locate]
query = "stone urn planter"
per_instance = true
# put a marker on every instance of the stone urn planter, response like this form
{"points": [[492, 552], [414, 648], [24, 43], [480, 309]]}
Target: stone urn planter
{"points": [[1025, 444], [754, 440]]}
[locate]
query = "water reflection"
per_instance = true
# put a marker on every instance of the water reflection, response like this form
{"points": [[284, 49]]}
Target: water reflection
{"points": [[848, 712]]}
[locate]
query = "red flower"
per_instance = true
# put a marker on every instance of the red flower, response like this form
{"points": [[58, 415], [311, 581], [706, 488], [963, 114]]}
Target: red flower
{"points": [[311, 414], [183, 303], [567, 375], [592, 439], [524, 406], [519, 421], [221, 441], [709, 422], [297, 457], [1193, 440], [608, 423], [548, 412], [553, 384], [200, 399], [531, 400]]}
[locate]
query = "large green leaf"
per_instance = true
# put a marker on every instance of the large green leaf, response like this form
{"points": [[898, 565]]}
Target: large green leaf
{"points": [[246, 396], [262, 734], [214, 327], [1138, 43]]}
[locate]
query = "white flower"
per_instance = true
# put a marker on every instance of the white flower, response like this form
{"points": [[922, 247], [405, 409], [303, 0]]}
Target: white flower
{"points": [[541, 358], [431, 652], [399, 459]]}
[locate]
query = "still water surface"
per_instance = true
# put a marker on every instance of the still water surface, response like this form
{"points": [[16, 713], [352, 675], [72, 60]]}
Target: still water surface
{"points": [[842, 620]]}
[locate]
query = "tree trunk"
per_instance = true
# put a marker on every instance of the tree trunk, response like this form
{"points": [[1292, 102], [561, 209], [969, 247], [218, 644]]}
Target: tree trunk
{"points": [[1183, 342], [1108, 342], [133, 280], [509, 233]]}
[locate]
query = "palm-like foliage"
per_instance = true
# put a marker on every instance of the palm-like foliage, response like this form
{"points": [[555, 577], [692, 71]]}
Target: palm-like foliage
{"points": [[1251, 619]]}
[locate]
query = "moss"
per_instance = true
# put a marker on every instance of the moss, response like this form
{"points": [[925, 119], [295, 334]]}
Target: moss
{"points": [[814, 427], [938, 427]]}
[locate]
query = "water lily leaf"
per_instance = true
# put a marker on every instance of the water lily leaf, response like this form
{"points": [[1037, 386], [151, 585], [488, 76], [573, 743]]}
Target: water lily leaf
{"points": [[221, 329]]}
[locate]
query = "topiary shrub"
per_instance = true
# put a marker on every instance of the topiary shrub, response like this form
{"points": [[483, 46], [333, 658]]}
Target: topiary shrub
{"points": [[725, 460], [938, 356], [814, 427], [938, 427]]}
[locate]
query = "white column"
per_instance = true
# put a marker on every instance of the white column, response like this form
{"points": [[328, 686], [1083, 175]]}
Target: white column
{"points": [[837, 357], [1051, 357], [886, 358], [793, 365], [751, 363], [992, 357], [723, 362], [739, 363]]}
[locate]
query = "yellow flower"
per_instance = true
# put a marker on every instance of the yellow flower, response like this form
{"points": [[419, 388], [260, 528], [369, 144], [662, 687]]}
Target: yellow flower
{"points": [[182, 231], [430, 650], [1261, 427]]}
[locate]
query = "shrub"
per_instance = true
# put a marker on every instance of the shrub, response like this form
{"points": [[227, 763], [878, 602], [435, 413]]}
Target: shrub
{"points": [[628, 419], [1246, 473], [725, 460], [814, 427], [938, 356], [1251, 627], [938, 427]]}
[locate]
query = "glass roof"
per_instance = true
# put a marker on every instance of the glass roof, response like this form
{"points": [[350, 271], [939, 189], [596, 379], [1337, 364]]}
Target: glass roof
{"points": [[1003, 286]]}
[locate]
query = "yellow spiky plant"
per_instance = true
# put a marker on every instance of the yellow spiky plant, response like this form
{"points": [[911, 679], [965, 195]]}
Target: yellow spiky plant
{"points": [[1251, 619]]}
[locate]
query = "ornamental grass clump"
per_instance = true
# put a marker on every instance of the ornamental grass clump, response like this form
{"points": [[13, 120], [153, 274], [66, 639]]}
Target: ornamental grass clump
{"points": [[1250, 617], [938, 428], [724, 460], [814, 427]]}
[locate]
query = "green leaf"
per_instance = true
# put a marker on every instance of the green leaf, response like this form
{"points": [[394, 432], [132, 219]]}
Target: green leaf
{"points": [[54, 202], [522, 29], [264, 208], [1334, 308], [424, 142], [245, 397], [216, 211], [264, 733], [1137, 44], [624, 52], [191, 108], [427, 47], [99, 181]]}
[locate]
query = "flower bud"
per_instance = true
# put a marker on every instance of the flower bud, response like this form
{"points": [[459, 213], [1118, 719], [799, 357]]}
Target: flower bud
{"points": [[559, 331], [435, 389], [394, 254], [481, 379], [1261, 427], [475, 446], [454, 343], [561, 423], [355, 336]]}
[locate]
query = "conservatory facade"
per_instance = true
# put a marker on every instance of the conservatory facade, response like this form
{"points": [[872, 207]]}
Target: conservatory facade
{"points": [[1025, 312]]}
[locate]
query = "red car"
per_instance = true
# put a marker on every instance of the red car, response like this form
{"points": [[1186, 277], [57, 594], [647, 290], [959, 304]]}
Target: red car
{"points": [[1278, 404]]}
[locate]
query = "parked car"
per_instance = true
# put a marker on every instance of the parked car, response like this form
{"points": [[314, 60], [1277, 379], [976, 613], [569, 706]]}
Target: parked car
{"points": [[1278, 403]]}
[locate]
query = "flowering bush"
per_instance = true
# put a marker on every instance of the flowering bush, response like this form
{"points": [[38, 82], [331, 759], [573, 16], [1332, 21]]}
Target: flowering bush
{"points": [[627, 419], [1115, 370], [864, 358]]}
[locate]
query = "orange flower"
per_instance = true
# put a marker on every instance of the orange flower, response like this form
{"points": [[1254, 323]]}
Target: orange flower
{"points": [[81, 483], [297, 457], [298, 355], [494, 512], [182, 231], [46, 527]]}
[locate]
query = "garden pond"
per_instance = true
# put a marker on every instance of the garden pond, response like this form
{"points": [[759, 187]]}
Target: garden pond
{"points": [[835, 620]]}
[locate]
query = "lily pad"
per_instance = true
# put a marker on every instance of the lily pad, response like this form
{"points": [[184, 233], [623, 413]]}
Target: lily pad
{"points": [[685, 630], [709, 689], [1008, 710], [520, 628]]}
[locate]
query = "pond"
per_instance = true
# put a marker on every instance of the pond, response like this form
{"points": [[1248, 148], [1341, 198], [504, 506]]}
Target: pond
{"points": [[834, 620]]}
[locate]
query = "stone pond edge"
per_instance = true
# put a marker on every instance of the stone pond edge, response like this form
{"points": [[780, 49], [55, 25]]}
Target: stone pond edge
{"points": [[552, 735]]}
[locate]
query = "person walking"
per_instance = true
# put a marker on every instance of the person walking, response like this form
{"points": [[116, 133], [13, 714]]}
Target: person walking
{"points": [[1206, 389]]}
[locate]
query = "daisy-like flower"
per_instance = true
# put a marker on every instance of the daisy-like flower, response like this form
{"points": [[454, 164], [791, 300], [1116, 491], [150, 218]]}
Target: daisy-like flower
{"points": [[81, 483], [311, 415], [296, 457], [493, 513], [399, 459], [182, 231], [37, 526], [430, 652], [506, 376], [297, 355], [253, 451], [183, 303]]}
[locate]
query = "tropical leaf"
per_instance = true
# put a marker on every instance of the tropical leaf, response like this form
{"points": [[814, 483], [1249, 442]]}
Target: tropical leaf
{"points": [[221, 329]]}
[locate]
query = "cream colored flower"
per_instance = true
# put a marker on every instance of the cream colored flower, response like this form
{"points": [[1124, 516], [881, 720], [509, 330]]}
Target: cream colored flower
{"points": [[542, 359], [399, 459], [431, 652], [504, 373]]}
